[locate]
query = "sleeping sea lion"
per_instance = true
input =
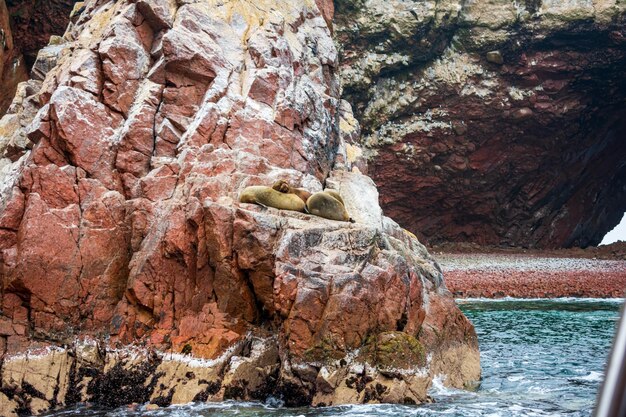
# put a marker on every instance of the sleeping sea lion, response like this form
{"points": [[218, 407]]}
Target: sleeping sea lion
{"points": [[284, 187], [328, 204], [336, 195], [268, 197]]}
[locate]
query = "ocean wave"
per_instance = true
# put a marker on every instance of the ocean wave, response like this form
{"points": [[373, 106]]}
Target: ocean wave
{"points": [[440, 392], [592, 378]]}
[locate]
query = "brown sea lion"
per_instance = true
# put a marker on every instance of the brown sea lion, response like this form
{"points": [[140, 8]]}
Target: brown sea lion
{"points": [[336, 195], [329, 205], [284, 187], [268, 197]]}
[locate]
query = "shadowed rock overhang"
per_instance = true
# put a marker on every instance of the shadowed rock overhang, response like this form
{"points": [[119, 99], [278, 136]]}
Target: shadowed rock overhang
{"points": [[498, 122], [25, 28]]}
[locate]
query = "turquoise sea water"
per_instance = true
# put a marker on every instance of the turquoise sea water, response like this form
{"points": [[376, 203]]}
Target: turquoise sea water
{"points": [[539, 358]]}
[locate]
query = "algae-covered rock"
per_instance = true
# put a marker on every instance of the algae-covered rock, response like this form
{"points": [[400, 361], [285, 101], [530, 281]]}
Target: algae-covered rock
{"points": [[394, 350]]}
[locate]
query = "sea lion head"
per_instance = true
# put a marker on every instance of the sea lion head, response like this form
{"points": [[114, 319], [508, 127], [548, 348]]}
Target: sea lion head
{"points": [[282, 186]]}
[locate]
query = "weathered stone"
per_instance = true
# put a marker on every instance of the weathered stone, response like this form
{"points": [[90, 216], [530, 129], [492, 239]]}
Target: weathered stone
{"points": [[360, 196], [46, 60], [13, 127], [495, 57], [8, 406], [46, 375], [122, 221]]}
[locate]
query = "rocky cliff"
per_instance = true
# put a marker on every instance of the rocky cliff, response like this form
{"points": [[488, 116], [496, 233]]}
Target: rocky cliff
{"points": [[12, 67], [496, 122], [25, 28], [131, 274]]}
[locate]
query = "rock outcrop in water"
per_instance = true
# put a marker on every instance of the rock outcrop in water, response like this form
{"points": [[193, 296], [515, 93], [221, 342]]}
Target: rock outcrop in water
{"points": [[494, 122], [131, 274]]}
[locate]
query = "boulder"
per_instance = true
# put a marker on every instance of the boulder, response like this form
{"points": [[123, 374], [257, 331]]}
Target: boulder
{"points": [[121, 227]]}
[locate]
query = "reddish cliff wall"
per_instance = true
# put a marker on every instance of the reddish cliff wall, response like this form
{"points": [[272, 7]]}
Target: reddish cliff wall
{"points": [[119, 222], [12, 68], [491, 122]]}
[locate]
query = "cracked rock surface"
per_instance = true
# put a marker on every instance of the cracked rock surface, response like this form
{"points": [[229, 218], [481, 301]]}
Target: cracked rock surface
{"points": [[127, 262]]}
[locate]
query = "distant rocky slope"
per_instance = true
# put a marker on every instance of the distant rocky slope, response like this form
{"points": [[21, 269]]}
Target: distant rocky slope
{"points": [[131, 274], [495, 122]]}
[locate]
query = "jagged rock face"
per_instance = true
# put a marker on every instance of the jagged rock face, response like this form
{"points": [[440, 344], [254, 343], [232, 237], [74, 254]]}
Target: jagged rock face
{"points": [[12, 68], [120, 177], [494, 122]]}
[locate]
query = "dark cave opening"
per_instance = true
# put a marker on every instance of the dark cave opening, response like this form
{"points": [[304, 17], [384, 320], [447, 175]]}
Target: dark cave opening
{"points": [[34, 21]]}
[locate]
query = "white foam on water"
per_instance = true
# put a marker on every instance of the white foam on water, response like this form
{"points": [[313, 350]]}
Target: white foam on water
{"points": [[538, 389], [437, 387], [440, 391], [194, 409], [592, 377]]}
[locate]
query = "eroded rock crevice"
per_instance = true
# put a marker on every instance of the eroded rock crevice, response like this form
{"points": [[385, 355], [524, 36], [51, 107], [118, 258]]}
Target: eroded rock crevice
{"points": [[12, 66], [34, 21], [497, 123], [25, 28]]}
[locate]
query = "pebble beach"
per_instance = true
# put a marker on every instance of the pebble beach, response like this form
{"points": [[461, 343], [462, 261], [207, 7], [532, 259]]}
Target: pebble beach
{"points": [[531, 275]]}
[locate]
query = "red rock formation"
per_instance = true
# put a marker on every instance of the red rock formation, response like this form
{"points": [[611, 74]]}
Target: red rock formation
{"points": [[119, 218], [496, 122], [12, 68]]}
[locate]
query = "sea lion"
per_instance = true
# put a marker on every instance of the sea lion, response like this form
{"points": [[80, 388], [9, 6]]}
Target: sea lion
{"points": [[329, 205], [284, 187], [336, 195], [268, 197]]}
